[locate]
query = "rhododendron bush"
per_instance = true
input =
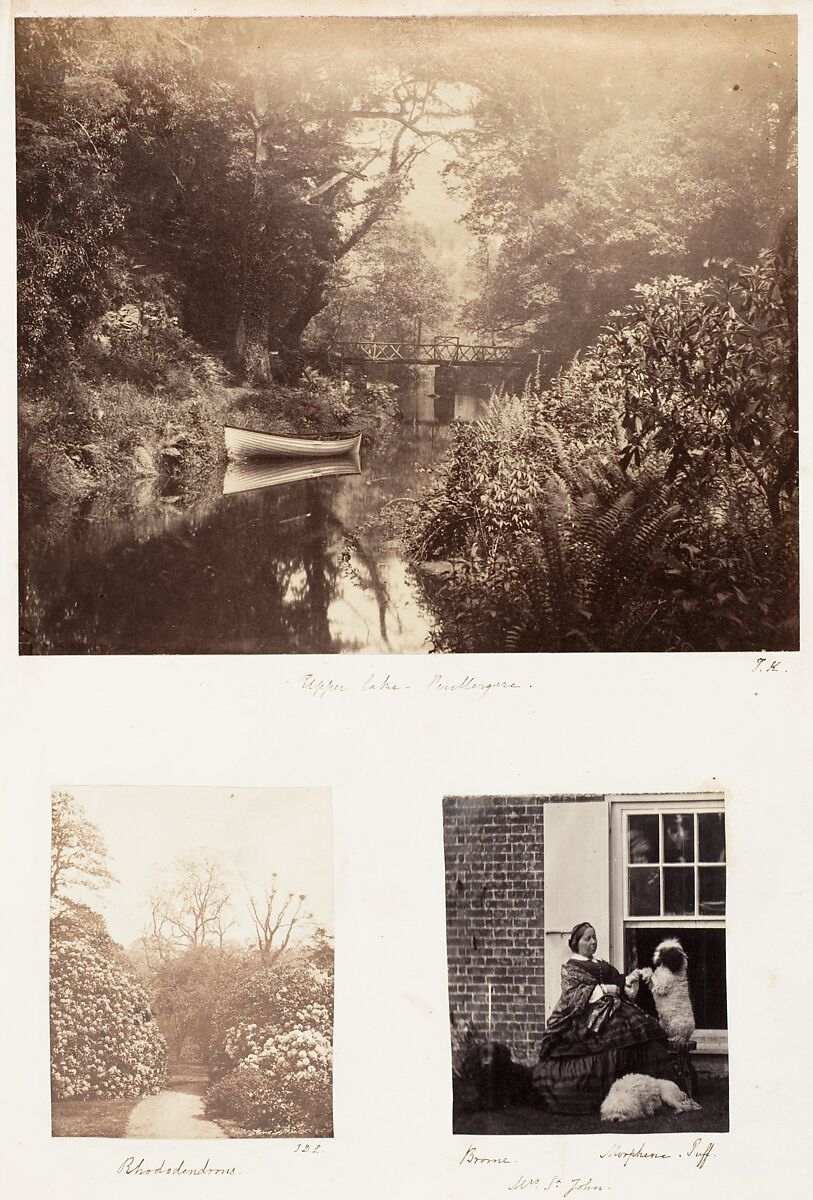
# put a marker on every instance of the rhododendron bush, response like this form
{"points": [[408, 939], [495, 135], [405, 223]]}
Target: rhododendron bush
{"points": [[104, 1040], [272, 1047]]}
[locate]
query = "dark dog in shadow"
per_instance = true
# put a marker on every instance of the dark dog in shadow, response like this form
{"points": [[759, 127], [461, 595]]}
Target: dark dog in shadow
{"points": [[511, 1081], [495, 1082]]}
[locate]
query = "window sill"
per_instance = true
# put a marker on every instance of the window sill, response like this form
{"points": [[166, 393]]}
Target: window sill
{"points": [[711, 1041]]}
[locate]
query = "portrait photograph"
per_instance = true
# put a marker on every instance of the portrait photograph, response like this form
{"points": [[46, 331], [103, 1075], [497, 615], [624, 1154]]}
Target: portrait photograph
{"points": [[586, 944]]}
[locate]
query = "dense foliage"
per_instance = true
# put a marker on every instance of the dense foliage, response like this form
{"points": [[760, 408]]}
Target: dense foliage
{"points": [[104, 1039], [250, 161], [184, 990], [68, 212], [320, 403], [646, 500], [603, 162], [244, 159], [271, 1050]]}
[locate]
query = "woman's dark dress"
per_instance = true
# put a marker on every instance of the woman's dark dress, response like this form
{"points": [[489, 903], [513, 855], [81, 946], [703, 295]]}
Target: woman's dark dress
{"points": [[587, 1046]]}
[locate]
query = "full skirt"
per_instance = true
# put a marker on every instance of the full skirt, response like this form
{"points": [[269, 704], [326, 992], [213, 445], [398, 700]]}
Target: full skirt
{"points": [[579, 1083], [577, 1067]]}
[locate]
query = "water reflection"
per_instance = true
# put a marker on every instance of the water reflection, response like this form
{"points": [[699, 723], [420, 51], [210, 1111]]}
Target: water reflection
{"points": [[286, 566], [249, 475], [430, 408]]}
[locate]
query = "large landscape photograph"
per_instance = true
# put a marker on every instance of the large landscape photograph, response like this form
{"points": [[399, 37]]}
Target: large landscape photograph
{"points": [[345, 335]]}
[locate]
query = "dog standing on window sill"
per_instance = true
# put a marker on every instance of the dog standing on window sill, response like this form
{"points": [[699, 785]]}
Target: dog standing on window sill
{"points": [[668, 981]]}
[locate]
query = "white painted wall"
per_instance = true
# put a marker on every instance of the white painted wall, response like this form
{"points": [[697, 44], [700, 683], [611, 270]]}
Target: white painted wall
{"points": [[577, 881]]}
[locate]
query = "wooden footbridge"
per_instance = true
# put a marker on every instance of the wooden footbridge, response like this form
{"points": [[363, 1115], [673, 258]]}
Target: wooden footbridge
{"points": [[447, 351]]}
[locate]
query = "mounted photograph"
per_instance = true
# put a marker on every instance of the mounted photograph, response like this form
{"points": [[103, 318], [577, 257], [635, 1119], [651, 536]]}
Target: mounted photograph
{"points": [[407, 335], [586, 953], [191, 962]]}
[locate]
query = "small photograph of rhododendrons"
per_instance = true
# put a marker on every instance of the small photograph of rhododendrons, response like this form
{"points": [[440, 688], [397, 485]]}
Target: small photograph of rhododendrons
{"points": [[191, 962]]}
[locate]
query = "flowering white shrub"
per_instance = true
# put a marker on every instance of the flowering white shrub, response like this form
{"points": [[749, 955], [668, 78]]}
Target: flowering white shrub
{"points": [[104, 1040], [278, 1070]]}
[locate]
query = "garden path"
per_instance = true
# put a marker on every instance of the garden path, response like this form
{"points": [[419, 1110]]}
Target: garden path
{"points": [[171, 1114]]}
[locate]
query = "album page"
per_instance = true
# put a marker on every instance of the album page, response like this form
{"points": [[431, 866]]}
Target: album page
{"points": [[406, 679]]}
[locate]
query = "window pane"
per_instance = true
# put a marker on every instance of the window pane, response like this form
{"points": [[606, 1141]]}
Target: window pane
{"points": [[712, 891], [678, 837], [678, 891], [645, 892], [642, 834], [707, 967], [711, 828]]}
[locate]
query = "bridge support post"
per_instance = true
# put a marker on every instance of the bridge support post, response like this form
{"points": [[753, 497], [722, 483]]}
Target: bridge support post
{"points": [[445, 381]]}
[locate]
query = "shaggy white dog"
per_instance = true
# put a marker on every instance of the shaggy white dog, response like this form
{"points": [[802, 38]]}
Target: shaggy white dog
{"points": [[635, 1096], [669, 985]]}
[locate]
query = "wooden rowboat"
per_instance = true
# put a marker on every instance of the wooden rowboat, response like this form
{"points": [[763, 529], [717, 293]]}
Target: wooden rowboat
{"points": [[247, 475], [254, 443]]}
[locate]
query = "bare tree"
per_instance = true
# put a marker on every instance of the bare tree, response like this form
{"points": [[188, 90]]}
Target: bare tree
{"points": [[274, 917], [78, 851], [193, 910]]}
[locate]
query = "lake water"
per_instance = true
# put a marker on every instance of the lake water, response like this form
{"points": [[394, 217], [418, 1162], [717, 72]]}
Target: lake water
{"points": [[301, 567]]}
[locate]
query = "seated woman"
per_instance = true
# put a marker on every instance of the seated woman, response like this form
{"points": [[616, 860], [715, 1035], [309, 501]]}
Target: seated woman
{"points": [[596, 1033]]}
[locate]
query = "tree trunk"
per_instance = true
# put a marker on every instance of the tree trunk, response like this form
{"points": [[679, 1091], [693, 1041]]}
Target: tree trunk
{"points": [[287, 340], [247, 346]]}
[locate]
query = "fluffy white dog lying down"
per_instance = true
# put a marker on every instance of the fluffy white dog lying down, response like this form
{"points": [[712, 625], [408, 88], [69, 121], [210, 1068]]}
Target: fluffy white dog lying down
{"points": [[669, 985], [635, 1096]]}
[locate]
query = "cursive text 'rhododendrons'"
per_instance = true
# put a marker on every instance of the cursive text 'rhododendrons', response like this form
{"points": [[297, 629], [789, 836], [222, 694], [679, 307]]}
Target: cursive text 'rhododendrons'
{"points": [[104, 1040]]}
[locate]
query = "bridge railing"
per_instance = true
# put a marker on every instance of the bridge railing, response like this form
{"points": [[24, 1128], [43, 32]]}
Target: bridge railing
{"points": [[442, 351]]}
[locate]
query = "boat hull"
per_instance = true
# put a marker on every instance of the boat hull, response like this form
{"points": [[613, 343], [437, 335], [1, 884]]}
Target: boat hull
{"points": [[253, 443]]}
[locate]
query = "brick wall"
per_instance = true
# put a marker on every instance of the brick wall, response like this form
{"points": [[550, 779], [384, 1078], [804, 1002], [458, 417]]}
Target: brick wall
{"points": [[495, 918]]}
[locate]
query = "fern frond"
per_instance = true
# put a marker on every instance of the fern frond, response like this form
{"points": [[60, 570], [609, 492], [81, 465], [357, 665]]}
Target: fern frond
{"points": [[603, 527], [513, 638], [650, 530]]}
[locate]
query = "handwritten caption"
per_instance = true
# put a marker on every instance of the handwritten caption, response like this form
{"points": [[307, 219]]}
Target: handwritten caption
{"points": [[769, 666], [697, 1153], [138, 1167], [319, 687]]}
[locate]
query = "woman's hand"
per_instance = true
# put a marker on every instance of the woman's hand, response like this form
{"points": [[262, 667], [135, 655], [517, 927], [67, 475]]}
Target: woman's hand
{"points": [[631, 984], [611, 989]]}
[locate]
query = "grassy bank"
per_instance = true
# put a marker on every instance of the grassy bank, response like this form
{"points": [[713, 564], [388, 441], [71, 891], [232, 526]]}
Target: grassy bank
{"points": [[115, 438], [139, 405], [110, 436], [91, 1118], [318, 404]]}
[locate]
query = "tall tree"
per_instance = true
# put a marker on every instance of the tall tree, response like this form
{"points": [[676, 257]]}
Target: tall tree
{"points": [[78, 852], [328, 162]]}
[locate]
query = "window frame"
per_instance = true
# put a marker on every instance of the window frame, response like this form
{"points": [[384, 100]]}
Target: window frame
{"points": [[621, 807]]}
